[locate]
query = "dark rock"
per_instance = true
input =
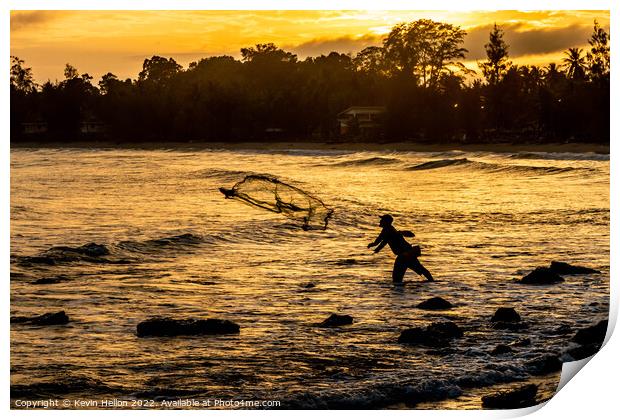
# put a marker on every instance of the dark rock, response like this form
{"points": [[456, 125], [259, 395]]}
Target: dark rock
{"points": [[501, 349], [594, 334], [541, 276], [506, 315], [50, 318], [544, 364], [583, 352], [309, 285], [336, 320], [168, 327], [435, 303], [524, 396], [38, 260], [437, 334], [421, 336], [50, 280], [565, 268]]}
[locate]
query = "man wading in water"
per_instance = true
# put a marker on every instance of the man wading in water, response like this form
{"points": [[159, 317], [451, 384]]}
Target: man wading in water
{"points": [[406, 255]]}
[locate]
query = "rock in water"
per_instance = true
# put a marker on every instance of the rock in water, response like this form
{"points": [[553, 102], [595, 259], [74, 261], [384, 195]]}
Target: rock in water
{"points": [[521, 397], [501, 349], [50, 318], [435, 303], [437, 334], [506, 315], [583, 352], [168, 327], [594, 334], [544, 364], [542, 276], [591, 339], [336, 320], [421, 336], [507, 319], [565, 268]]}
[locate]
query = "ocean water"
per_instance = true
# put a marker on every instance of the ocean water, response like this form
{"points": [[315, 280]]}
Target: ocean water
{"points": [[179, 249]]}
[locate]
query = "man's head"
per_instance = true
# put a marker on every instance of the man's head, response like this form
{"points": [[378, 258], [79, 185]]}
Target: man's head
{"points": [[386, 220]]}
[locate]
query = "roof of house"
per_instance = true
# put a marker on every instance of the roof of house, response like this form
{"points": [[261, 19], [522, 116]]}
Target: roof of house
{"points": [[363, 109]]}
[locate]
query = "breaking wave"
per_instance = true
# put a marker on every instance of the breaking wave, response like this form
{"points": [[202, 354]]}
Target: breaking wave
{"points": [[561, 156], [442, 163], [495, 167], [119, 253], [368, 162], [382, 394]]}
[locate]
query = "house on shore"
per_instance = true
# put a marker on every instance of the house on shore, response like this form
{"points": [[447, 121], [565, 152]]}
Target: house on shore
{"points": [[364, 121], [34, 128], [92, 127]]}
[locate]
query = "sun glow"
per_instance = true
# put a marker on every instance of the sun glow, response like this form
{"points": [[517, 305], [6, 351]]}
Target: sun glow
{"points": [[118, 41]]}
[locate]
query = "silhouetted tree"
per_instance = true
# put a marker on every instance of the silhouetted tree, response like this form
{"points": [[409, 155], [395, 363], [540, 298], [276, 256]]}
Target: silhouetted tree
{"points": [[371, 60], [158, 69], [497, 64], [23, 96], [598, 57], [70, 72], [575, 64], [21, 77], [425, 50], [267, 52]]}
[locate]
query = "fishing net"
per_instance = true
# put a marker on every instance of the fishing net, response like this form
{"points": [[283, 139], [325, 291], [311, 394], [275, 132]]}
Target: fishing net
{"points": [[276, 196]]}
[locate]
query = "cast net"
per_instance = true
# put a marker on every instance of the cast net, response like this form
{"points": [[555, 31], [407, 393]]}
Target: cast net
{"points": [[276, 196]]}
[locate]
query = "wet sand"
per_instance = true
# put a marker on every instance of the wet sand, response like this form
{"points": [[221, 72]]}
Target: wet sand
{"points": [[335, 145]]}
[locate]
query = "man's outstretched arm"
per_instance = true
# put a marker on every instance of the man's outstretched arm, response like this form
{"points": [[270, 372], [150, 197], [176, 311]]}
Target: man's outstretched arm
{"points": [[380, 247], [376, 241]]}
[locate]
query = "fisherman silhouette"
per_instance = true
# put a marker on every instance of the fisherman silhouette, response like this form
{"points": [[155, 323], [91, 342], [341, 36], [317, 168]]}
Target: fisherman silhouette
{"points": [[406, 254]]}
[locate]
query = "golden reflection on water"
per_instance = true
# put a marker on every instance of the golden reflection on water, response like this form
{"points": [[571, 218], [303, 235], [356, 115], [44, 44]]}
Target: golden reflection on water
{"points": [[481, 224]]}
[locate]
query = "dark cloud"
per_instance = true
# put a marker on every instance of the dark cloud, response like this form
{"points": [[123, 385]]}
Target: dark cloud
{"points": [[521, 40], [345, 44], [22, 19], [524, 41]]}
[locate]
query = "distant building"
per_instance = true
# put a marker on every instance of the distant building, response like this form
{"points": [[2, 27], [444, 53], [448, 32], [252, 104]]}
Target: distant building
{"points": [[361, 120], [38, 127], [92, 127], [274, 133]]}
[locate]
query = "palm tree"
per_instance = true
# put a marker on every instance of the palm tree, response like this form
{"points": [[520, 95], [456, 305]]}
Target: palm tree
{"points": [[575, 63]]}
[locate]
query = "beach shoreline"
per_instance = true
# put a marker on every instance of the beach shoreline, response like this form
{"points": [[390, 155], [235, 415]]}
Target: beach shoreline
{"points": [[401, 146]]}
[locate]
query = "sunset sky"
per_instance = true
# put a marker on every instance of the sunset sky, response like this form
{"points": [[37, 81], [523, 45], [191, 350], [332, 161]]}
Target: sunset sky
{"points": [[118, 41]]}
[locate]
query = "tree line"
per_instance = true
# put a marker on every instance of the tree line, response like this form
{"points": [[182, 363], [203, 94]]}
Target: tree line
{"points": [[417, 74]]}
